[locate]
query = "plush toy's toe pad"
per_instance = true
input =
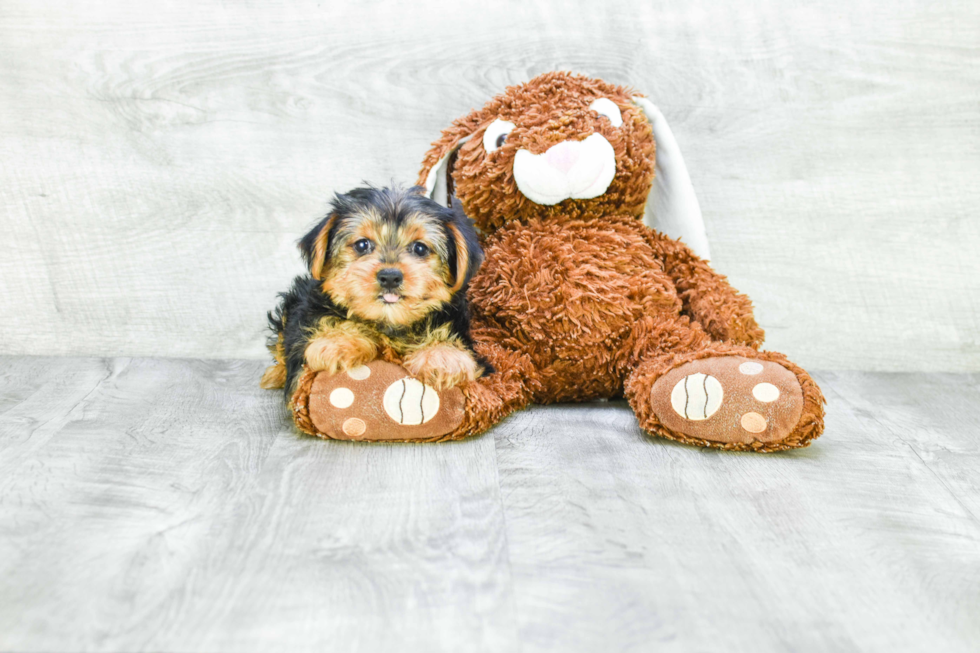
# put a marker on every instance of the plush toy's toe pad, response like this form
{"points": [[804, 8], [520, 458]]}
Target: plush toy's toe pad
{"points": [[729, 399], [380, 401]]}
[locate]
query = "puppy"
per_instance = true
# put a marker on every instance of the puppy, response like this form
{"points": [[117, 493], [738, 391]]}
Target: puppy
{"points": [[389, 270]]}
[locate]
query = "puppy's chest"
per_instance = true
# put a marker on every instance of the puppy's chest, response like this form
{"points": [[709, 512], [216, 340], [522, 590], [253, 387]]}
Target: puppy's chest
{"points": [[578, 283], [401, 344]]}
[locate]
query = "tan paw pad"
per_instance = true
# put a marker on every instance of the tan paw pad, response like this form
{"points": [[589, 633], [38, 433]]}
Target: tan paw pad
{"points": [[729, 399], [359, 373], [380, 401], [354, 427], [341, 397], [697, 396], [753, 422], [409, 401], [765, 392]]}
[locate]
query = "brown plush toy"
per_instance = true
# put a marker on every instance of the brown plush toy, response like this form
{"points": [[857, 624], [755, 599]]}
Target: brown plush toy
{"points": [[578, 299]]}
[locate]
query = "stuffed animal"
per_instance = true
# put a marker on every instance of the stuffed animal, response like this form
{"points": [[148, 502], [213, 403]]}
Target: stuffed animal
{"points": [[579, 298]]}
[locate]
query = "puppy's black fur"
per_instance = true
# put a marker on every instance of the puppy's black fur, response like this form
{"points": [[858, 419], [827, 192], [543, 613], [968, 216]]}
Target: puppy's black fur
{"points": [[305, 303]]}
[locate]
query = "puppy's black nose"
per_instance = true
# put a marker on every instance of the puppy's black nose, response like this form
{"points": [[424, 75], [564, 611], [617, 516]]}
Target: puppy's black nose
{"points": [[390, 278]]}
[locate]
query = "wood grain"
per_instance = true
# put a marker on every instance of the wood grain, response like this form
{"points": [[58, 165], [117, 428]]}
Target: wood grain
{"points": [[160, 161], [167, 505], [867, 541]]}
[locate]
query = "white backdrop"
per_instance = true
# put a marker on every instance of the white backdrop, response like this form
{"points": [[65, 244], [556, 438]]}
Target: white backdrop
{"points": [[159, 160]]}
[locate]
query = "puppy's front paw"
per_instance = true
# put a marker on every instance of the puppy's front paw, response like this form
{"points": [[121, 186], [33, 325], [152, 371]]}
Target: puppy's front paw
{"points": [[442, 366], [339, 352]]}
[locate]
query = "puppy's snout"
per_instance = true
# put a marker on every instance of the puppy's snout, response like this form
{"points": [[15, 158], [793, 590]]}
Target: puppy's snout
{"points": [[390, 278]]}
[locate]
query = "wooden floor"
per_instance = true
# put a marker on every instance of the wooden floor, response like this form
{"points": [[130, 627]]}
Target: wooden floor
{"points": [[167, 505]]}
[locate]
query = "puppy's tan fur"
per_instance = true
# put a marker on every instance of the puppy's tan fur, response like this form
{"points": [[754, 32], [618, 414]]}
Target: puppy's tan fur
{"points": [[441, 361], [349, 277], [337, 346]]}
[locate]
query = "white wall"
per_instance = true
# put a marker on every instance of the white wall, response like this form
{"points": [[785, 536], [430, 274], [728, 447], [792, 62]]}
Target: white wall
{"points": [[158, 160]]}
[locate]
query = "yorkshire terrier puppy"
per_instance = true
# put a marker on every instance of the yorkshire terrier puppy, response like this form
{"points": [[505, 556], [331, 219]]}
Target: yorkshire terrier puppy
{"points": [[389, 270]]}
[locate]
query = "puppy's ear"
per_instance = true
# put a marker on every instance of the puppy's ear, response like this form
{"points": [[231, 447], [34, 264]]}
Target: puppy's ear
{"points": [[466, 255], [315, 246]]}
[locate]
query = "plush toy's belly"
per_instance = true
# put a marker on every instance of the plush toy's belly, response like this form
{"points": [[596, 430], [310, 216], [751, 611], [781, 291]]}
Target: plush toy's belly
{"points": [[570, 292]]}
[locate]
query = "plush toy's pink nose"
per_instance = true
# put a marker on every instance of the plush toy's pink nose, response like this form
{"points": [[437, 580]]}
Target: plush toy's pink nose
{"points": [[562, 156]]}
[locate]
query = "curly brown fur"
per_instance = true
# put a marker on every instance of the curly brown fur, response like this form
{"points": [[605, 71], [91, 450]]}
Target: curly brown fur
{"points": [[389, 270], [579, 300], [548, 109]]}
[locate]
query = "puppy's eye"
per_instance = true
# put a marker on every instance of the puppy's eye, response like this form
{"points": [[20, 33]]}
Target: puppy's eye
{"points": [[606, 107], [420, 249], [496, 134], [363, 246]]}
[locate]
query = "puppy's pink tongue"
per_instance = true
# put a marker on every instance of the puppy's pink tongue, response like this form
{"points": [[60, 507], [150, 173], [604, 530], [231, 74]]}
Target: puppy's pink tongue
{"points": [[390, 297]]}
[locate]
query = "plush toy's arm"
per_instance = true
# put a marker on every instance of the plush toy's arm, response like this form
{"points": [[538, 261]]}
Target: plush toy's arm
{"points": [[708, 298]]}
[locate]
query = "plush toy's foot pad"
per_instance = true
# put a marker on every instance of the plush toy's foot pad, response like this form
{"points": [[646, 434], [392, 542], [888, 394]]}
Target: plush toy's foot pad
{"points": [[729, 399], [381, 401]]}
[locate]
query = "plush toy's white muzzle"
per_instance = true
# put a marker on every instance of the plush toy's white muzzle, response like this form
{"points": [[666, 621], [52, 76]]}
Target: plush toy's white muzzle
{"points": [[671, 208], [570, 169]]}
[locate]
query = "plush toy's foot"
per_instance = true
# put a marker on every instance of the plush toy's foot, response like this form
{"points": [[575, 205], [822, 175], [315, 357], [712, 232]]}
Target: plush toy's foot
{"points": [[379, 401], [737, 402]]}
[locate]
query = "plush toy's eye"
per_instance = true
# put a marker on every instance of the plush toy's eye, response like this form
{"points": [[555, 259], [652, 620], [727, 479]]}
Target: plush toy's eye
{"points": [[420, 249], [496, 134], [606, 107], [363, 246]]}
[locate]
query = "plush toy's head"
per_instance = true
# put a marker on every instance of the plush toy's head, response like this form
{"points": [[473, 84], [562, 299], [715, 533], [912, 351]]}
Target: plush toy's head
{"points": [[559, 145], [565, 146]]}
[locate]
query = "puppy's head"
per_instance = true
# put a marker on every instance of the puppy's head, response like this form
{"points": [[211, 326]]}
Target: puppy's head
{"points": [[391, 255]]}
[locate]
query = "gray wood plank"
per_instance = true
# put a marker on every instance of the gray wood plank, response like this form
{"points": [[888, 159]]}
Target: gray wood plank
{"points": [[160, 161], [867, 541], [932, 415], [168, 505]]}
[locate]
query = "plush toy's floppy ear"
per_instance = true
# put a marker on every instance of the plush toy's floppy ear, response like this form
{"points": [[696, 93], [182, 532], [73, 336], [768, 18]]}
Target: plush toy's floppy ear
{"points": [[466, 255], [437, 168], [672, 207], [438, 181], [315, 245]]}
